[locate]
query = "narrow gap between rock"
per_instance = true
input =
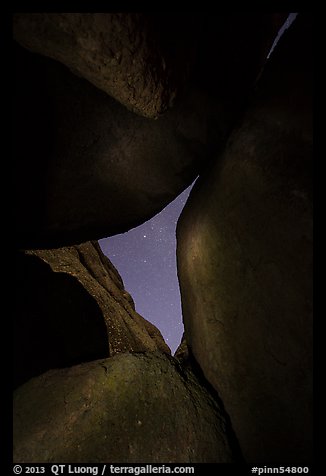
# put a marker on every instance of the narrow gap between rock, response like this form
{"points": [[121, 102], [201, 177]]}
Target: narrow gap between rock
{"points": [[288, 22], [145, 257]]}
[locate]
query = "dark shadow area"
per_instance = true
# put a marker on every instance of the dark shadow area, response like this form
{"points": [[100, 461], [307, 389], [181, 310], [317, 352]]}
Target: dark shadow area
{"points": [[33, 141], [57, 322], [185, 359]]}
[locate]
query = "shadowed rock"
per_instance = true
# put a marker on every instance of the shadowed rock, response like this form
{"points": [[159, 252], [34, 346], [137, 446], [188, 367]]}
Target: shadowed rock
{"points": [[127, 55], [245, 262], [232, 52], [132, 408], [71, 307], [85, 167]]}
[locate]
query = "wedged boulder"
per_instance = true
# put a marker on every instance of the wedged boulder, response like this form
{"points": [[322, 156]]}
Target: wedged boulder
{"points": [[244, 248], [140, 59], [71, 307], [131, 408], [85, 167]]}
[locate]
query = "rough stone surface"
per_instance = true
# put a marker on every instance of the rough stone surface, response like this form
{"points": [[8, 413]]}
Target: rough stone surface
{"points": [[245, 262], [127, 55], [85, 167], [71, 307], [131, 408]]}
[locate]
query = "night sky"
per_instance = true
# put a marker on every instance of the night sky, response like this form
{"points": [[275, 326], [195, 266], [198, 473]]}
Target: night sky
{"points": [[146, 260]]}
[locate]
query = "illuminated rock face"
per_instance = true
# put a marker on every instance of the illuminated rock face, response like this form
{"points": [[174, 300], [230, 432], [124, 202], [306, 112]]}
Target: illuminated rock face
{"points": [[71, 307], [131, 408], [245, 263]]}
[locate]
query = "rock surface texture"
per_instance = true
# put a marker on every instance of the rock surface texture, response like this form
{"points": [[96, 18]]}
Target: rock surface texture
{"points": [[127, 55], [132, 408], [71, 307], [245, 262]]}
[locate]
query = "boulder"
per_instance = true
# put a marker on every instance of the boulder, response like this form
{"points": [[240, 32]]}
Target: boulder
{"points": [[244, 251], [84, 166], [71, 307], [140, 59], [131, 408]]}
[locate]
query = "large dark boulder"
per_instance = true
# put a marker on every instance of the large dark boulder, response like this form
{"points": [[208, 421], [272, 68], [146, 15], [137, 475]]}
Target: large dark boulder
{"points": [[84, 166], [71, 307], [245, 262], [131, 408], [140, 59]]}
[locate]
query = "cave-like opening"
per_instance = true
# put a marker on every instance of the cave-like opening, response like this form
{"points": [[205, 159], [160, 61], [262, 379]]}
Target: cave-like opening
{"points": [[145, 257]]}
